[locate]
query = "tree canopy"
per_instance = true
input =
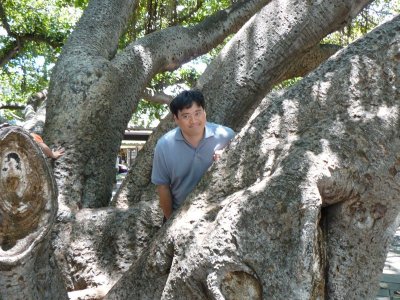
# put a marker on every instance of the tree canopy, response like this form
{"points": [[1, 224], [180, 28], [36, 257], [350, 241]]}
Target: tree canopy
{"points": [[32, 34]]}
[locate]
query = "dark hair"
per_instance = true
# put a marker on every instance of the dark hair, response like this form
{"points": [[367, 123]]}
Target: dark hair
{"points": [[185, 99]]}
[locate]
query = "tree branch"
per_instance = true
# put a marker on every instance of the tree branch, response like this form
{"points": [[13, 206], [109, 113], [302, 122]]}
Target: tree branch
{"points": [[12, 106], [9, 52], [189, 13], [156, 97], [16, 46], [3, 18], [41, 38], [235, 82], [296, 137], [312, 59], [101, 26], [170, 48]]}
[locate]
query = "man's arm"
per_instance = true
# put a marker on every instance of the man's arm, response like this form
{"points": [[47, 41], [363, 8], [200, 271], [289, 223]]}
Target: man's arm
{"points": [[164, 192], [50, 153], [46, 150]]}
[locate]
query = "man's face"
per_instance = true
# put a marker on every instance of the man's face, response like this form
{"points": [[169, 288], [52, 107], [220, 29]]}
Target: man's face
{"points": [[191, 120]]}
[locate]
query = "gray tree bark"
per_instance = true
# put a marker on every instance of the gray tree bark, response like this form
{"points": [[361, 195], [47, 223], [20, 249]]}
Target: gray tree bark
{"points": [[94, 90], [28, 206], [305, 200], [230, 102], [273, 211], [253, 62]]}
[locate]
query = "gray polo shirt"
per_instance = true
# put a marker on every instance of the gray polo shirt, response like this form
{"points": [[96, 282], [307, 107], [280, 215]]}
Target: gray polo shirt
{"points": [[178, 164]]}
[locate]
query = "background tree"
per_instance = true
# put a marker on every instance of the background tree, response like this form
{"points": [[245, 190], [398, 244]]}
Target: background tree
{"points": [[32, 35]]}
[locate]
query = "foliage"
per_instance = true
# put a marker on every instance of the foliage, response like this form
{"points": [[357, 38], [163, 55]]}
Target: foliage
{"points": [[31, 37], [29, 71], [154, 15], [373, 15], [147, 114], [287, 83]]}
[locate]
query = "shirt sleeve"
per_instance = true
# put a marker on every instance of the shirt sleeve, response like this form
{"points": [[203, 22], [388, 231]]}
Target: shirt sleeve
{"points": [[37, 137], [159, 173], [223, 136]]}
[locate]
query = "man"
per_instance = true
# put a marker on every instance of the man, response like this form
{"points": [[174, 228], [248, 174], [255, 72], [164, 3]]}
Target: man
{"points": [[54, 154], [34, 121], [184, 154]]}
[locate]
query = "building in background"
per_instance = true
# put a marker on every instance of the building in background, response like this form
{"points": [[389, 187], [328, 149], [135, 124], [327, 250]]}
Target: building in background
{"points": [[134, 139]]}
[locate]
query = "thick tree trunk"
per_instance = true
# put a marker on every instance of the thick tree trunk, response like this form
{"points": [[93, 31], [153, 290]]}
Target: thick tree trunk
{"points": [[305, 200], [236, 81], [28, 206], [94, 91], [243, 90], [230, 97]]}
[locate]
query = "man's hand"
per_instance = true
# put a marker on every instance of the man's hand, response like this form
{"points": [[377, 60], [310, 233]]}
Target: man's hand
{"points": [[217, 154], [50, 153], [57, 153]]}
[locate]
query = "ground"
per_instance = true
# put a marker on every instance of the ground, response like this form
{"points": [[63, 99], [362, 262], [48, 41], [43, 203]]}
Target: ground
{"points": [[390, 278]]}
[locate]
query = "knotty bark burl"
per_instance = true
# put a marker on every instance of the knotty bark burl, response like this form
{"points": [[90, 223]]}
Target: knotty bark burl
{"points": [[28, 206]]}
